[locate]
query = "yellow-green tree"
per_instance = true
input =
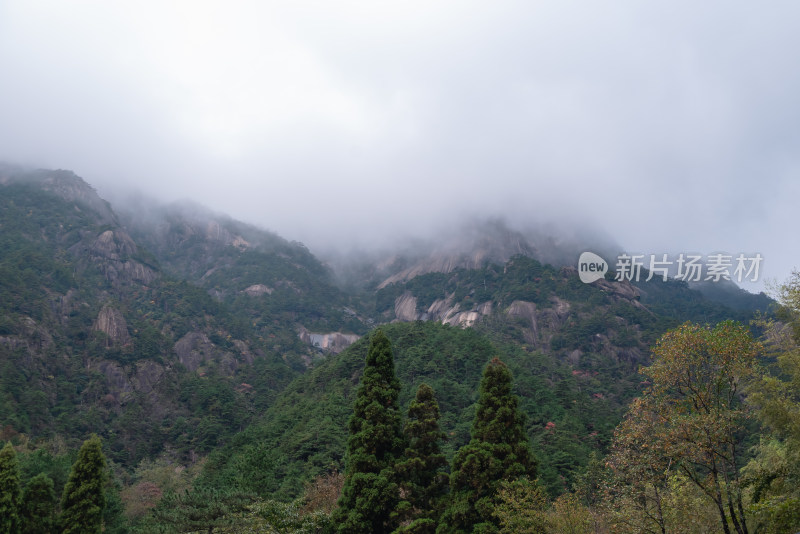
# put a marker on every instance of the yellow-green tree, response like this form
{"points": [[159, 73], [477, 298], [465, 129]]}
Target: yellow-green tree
{"points": [[690, 419]]}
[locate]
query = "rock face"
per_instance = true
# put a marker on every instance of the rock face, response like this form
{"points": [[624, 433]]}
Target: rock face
{"points": [[405, 307], [621, 290], [543, 322], [112, 323], [195, 348], [113, 251], [71, 188], [256, 290], [493, 242], [334, 342], [442, 310], [123, 383]]}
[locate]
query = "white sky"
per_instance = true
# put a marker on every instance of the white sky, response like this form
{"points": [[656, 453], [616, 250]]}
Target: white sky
{"points": [[673, 125]]}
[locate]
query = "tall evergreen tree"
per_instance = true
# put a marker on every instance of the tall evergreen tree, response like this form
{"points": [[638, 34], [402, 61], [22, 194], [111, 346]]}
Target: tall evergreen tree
{"points": [[84, 498], [497, 451], [38, 505], [9, 490], [421, 472], [370, 493]]}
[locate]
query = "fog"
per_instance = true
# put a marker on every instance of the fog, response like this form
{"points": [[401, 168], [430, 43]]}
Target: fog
{"points": [[670, 126]]}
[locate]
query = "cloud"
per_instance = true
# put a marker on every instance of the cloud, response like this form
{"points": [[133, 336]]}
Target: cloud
{"points": [[674, 125]]}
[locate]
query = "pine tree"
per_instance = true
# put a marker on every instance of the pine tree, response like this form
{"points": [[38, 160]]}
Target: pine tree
{"points": [[422, 476], [38, 505], [498, 451], [370, 493], [9, 490], [83, 500]]}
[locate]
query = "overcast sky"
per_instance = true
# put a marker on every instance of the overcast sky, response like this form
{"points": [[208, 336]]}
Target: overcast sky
{"points": [[673, 125]]}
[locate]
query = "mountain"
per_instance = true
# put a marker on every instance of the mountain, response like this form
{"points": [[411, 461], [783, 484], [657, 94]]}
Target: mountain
{"points": [[184, 336], [574, 348], [150, 339]]}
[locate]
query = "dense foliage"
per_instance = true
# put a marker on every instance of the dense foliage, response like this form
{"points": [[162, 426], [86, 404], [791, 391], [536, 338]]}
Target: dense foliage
{"points": [[497, 451], [370, 491], [175, 335], [9, 490], [84, 499], [421, 472]]}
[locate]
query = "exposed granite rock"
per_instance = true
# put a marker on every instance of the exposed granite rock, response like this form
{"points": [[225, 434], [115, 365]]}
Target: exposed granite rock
{"points": [[112, 323], [195, 349], [405, 307], [527, 311], [473, 248], [334, 342], [621, 290], [122, 383], [113, 251], [256, 290], [442, 310]]}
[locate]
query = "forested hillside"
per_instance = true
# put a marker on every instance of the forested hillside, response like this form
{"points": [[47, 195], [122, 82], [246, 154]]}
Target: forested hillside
{"points": [[219, 363]]}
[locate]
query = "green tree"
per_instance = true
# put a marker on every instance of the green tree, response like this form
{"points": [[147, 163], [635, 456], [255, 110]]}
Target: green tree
{"points": [[498, 451], [38, 505], [422, 476], [9, 490], [203, 509], [370, 493], [84, 499], [774, 474]]}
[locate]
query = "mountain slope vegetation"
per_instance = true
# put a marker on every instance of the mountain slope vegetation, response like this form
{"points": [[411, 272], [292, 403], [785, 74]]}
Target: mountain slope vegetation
{"points": [[192, 343]]}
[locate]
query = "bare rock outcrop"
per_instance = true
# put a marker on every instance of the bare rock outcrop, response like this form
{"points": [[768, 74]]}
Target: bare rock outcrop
{"points": [[334, 342], [122, 383], [442, 310], [405, 307], [29, 335], [527, 311], [114, 251], [195, 348], [256, 290], [111, 322]]}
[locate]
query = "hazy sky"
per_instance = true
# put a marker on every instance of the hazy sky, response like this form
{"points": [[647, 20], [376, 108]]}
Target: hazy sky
{"points": [[674, 125]]}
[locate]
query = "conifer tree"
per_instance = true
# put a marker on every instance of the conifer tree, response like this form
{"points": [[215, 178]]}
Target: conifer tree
{"points": [[9, 490], [497, 451], [38, 505], [370, 493], [422, 476], [84, 499]]}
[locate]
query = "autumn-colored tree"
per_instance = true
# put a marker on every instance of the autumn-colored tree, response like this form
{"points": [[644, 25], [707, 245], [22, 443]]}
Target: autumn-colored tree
{"points": [[690, 419], [322, 493], [370, 493], [774, 474], [498, 451], [84, 498], [9, 490], [521, 507], [421, 471], [639, 474]]}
